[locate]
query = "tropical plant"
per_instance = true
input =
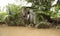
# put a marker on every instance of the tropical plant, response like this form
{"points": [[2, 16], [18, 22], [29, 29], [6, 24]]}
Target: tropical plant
{"points": [[15, 15], [2, 15]]}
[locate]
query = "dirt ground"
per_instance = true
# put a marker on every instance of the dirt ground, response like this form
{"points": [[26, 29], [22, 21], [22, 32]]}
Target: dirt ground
{"points": [[26, 31]]}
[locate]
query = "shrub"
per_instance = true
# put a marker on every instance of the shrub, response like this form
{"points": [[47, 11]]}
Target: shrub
{"points": [[2, 15], [15, 14]]}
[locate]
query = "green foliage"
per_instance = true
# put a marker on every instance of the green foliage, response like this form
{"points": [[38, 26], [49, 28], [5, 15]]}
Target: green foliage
{"points": [[55, 14], [43, 5], [2, 15], [15, 15], [14, 9]]}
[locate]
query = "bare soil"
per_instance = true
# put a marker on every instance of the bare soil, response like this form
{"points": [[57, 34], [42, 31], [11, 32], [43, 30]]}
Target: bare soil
{"points": [[26, 31]]}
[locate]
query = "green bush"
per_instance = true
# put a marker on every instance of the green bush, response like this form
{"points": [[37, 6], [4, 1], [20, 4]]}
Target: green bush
{"points": [[2, 15], [14, 17]]}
